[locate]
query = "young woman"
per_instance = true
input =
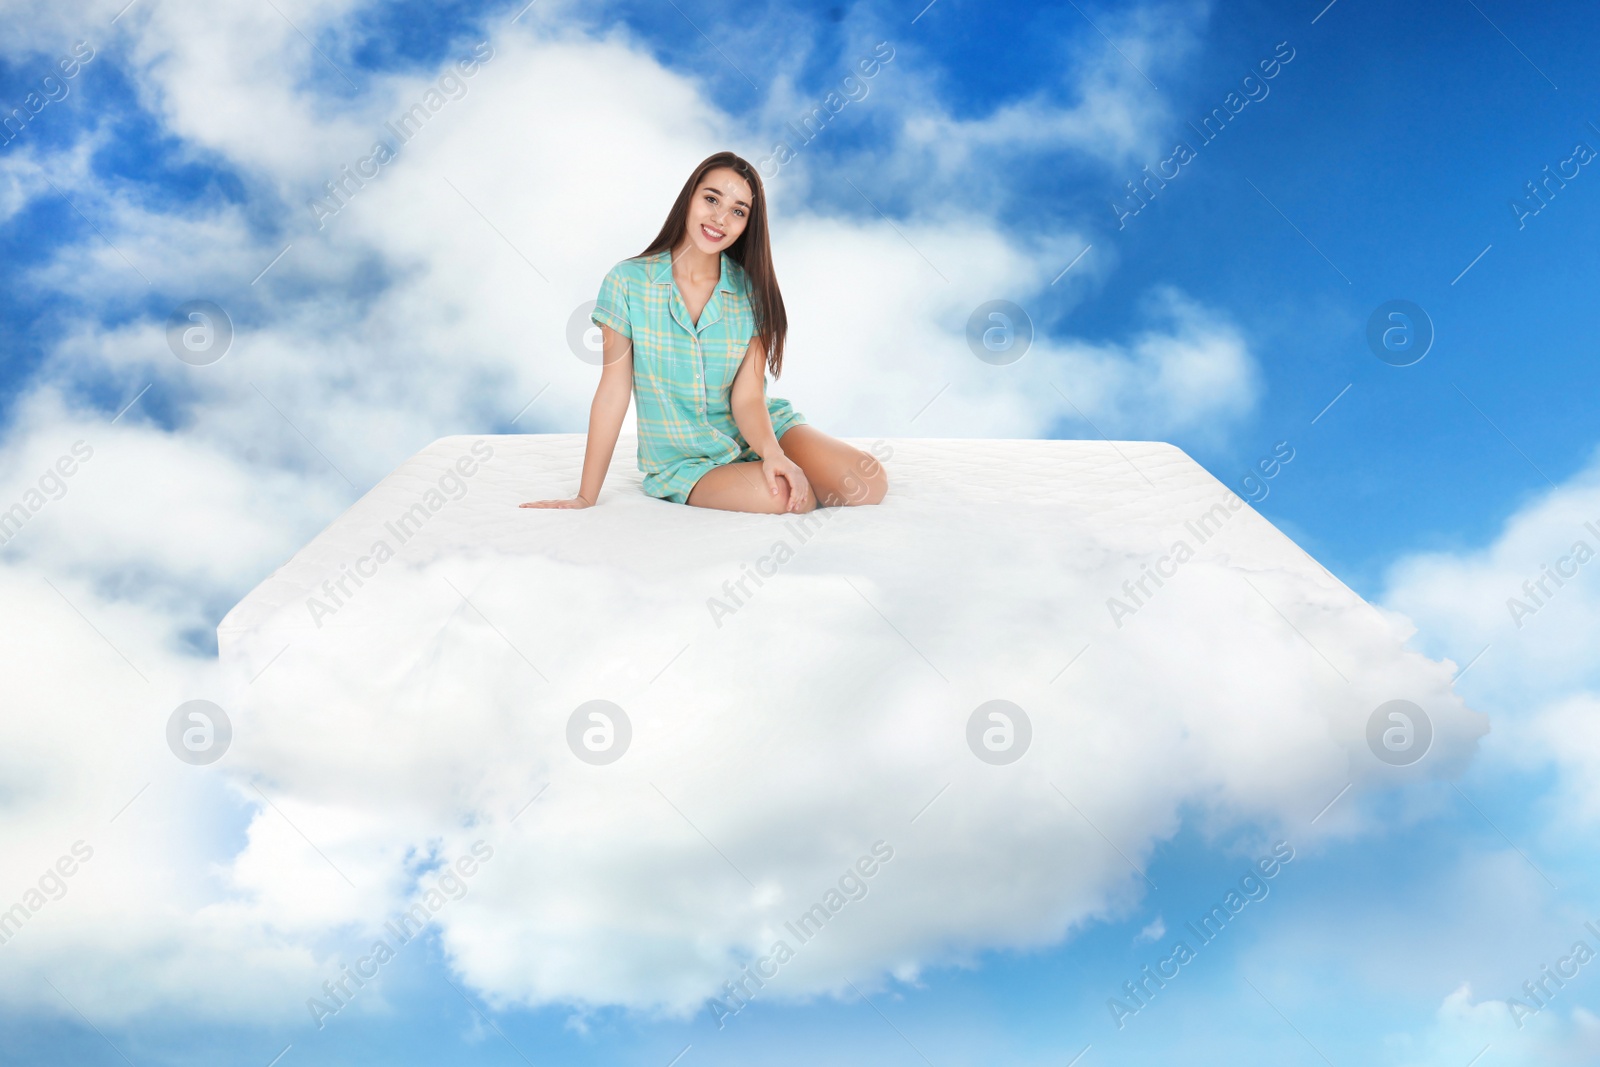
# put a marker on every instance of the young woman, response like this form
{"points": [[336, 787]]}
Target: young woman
{"points": [[689, 327]]}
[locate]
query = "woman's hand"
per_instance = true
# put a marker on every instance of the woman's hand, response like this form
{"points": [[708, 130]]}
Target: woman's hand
{"points": [[575, 502], [799, 489]]}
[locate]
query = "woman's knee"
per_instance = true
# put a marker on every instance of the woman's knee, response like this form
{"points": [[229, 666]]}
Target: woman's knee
{"points": [[764, 501], [864, 481]]}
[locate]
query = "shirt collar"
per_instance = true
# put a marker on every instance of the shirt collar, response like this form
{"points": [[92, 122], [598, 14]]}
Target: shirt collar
{"points": [[661, 274], [661, 270]]}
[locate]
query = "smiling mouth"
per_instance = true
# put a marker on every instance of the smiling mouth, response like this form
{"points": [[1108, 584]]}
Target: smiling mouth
{"points": [[711, 235]]}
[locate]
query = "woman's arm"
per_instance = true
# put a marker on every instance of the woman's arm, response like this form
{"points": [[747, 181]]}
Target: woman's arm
{"points": [[606, 413], [749, 407]]}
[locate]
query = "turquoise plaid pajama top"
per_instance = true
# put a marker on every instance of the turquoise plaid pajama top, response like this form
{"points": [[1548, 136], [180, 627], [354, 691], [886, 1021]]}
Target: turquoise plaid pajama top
{"points": [[683, 371]]}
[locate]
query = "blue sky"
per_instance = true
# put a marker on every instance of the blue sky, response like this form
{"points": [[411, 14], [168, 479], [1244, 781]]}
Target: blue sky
{"points": [[1382, 165]]}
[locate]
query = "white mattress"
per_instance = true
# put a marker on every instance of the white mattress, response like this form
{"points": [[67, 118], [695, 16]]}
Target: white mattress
{"points": [[966, 514], [773, 744]]}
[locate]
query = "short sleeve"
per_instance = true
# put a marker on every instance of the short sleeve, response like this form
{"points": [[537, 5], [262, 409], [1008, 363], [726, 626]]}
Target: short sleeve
{"points": [[611, 306]]}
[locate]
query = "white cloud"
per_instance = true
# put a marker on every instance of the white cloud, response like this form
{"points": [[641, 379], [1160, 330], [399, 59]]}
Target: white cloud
{"points": [[1535, 629], [1113, 116], [1493, 595], [1465, 1028], [755, 776]]}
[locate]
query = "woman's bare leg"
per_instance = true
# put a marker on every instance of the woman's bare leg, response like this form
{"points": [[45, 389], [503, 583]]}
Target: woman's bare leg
{"points": [[839, 473], [740, 487]]}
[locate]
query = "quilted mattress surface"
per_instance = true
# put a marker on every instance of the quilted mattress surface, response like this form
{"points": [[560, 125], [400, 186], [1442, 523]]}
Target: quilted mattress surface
{"points": [[991, 519]]}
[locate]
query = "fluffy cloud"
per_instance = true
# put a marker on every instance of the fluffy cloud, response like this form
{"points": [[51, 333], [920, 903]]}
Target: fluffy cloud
{"points": [[1511, 594], [1112, 117], [1529, 601], [1465, 1028], [768, 754]]}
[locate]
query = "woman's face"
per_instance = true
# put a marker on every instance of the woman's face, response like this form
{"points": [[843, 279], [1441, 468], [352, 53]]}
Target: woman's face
{"points": [[719, 210]]}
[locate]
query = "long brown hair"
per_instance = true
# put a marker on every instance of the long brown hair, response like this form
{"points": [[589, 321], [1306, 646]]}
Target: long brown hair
{"points": [[752, 251]]}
